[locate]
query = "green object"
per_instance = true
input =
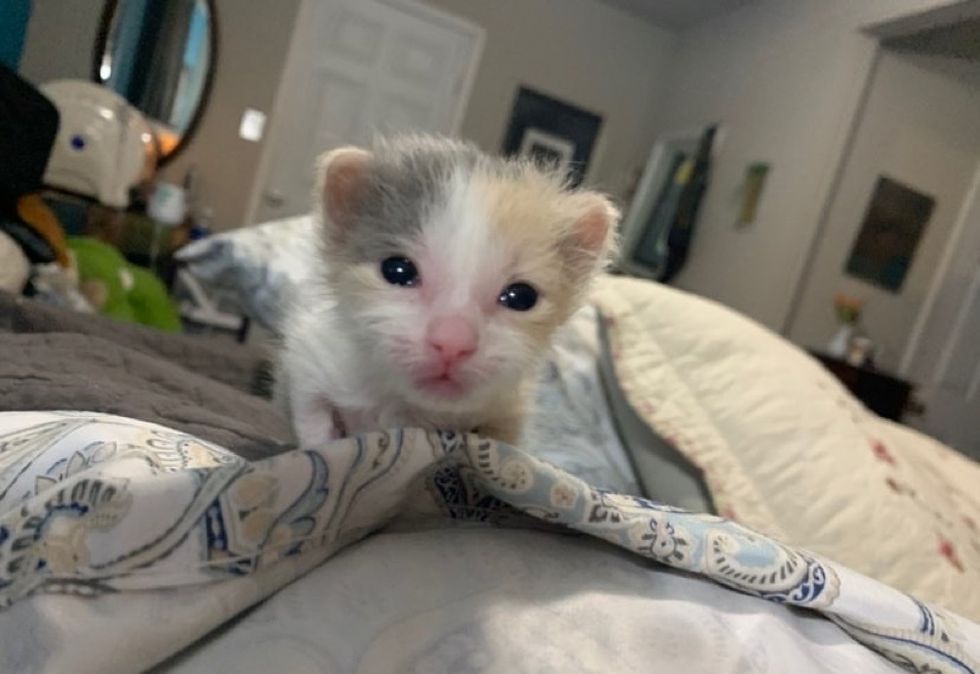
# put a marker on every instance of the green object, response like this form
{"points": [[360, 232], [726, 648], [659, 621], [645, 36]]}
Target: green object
{"points": [[150, 301], [132, 293], [98, 261]]}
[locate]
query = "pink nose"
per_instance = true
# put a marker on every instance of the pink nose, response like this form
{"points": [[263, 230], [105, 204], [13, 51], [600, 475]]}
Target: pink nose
{"points": [[453, 338]]}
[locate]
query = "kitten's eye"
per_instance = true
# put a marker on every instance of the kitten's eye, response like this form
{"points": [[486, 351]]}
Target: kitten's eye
{"points": [[400, 271], [518, 296]]}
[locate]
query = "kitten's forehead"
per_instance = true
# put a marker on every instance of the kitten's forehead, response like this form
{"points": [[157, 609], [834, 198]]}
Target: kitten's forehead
{"points": [[486, 220], [477, 220], [458, 238]]}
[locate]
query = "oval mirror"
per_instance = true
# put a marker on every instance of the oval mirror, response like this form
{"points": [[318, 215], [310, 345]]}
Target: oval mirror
{"points": [[159, 55]]}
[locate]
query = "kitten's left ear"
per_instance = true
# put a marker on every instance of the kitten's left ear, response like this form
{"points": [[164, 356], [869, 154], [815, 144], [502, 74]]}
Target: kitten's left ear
{"points": [[591, 240], [341, 186]]}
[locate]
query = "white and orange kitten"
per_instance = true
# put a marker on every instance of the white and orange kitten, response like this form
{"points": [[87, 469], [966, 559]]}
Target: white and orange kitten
{"points": [[444, 274]]}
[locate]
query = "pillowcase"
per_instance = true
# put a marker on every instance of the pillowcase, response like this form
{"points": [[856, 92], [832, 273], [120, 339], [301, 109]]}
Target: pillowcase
{"points": [[571, 425], [786, 450], [664, 474], [261, 265]]}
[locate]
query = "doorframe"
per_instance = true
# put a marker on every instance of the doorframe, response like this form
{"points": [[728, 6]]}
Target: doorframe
{"points": [[970, 205], [303, 24]]}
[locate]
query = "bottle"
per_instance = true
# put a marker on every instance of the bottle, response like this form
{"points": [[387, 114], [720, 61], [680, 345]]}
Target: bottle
{"points": [[201, 225]]}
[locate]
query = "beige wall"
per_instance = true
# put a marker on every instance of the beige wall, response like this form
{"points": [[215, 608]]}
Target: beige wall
{"points": [[253, 41], [60, 40], [583, 51], [785, 79], [920, 126]]}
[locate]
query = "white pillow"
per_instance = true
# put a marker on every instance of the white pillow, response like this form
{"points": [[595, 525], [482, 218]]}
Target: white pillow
{"points": [[786, 450], [263, 265]]}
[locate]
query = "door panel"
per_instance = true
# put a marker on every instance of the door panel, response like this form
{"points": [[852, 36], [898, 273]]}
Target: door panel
{"points": [[946, 359], [353, 37], [960, 369], [360, 67]]}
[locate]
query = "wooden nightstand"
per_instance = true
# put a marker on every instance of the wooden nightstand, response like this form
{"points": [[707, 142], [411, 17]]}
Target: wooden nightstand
{"points": [[882, 393]]}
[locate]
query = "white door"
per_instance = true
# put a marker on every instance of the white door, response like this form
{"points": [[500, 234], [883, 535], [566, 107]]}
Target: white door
{"points": [[357, 68], [944, 358]]}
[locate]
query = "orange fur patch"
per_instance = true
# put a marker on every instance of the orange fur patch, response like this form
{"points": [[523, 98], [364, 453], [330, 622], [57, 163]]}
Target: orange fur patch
{"points": [[561, 237]]}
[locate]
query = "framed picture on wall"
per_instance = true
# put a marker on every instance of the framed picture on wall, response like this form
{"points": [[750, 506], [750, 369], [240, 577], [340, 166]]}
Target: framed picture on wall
{"points": [[552, 131], [548, 148], [893, 226]]}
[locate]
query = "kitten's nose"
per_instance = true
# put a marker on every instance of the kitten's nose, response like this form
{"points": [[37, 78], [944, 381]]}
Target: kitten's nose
{"points": [[454, 338]]}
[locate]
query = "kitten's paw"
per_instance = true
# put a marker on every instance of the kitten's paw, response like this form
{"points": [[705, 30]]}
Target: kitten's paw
{"points": [[317, 423]]}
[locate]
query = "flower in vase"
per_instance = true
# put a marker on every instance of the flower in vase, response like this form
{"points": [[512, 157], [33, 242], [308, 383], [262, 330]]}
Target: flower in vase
{"points": [[848, 309]]}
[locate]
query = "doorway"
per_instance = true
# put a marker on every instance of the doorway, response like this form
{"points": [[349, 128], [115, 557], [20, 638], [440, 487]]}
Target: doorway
{"points": [[357, 68], [917, 144]]}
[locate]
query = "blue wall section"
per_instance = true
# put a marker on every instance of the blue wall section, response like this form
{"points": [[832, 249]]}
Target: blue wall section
{"points": [[14, 15]]}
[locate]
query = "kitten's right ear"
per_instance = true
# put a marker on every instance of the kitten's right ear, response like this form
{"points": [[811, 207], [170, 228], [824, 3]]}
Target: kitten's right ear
{"points": [[342, 185]]}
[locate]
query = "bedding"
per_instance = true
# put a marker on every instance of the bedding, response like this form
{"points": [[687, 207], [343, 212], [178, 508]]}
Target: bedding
{"points": [[571, 424], [109, 521], [507, 600], [786, 450], [262, 264], [664, 473], [175, 527], [54, 359]]}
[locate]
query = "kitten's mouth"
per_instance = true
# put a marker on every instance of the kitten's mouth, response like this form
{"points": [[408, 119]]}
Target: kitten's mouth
{"points": [[443, 386]]}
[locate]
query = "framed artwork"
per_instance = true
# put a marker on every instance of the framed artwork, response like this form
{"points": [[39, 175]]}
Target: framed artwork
{"points": [[553, 132], [893, 226], [547, 148]]}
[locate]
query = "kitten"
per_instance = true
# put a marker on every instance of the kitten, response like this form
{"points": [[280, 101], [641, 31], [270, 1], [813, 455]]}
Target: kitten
{"points": [[444, 274]]}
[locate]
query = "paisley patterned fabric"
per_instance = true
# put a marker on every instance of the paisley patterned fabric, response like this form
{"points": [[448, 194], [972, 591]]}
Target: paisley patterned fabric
{"points": [[93, 504]]}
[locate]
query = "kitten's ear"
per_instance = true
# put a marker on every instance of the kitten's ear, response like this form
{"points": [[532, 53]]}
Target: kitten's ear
{"points": [[591, 239], [341, 186]]}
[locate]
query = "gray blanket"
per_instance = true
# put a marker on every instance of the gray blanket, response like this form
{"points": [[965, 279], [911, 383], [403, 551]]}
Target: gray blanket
{"points": [[51, 359]]}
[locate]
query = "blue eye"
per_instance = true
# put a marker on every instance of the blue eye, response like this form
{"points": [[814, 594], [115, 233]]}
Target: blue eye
{"points": [[400, 271], [518, 296]]}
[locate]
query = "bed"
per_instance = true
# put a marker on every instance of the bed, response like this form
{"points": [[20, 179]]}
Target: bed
{"points": [[687, 477]]}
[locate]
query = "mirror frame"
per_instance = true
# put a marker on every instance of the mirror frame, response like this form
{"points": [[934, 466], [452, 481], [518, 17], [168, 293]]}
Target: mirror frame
{"points": [[105, 23]]}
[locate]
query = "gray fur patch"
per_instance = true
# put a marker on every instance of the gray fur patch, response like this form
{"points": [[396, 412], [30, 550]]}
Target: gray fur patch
{"points": [[409, 177]]}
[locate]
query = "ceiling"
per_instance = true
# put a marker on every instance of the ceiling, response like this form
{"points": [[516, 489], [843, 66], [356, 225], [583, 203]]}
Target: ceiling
{"points": [[676, 14], [960, 40]]}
